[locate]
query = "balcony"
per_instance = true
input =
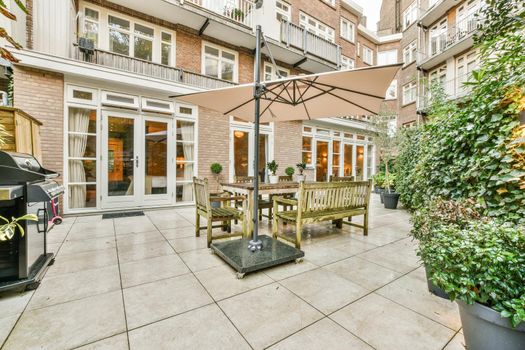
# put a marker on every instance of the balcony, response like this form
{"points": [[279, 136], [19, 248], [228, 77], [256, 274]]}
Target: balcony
{"points": [[435, 11], [239, 11], [309, 43], [150, 69], [454, 89], [457, 39]]}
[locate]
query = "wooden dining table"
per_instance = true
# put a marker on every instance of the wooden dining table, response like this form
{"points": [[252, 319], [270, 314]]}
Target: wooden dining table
{"points": [[247, 189]]}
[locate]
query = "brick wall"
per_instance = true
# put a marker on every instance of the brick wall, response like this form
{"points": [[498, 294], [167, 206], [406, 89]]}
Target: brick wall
{"points": [[287, 144], [348, 48], [41, 94], [214, 131], [318, 9]]}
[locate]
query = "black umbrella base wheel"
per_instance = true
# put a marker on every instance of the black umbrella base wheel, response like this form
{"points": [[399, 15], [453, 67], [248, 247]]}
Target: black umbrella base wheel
{"points": [[244, 260]]}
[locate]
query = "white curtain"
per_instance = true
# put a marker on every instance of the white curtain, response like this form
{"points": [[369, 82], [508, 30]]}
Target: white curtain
{"points": [[78, 127], [187, 134]]}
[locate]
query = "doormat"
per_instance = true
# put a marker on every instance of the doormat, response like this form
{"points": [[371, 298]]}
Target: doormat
{"points": [[122, 214]]}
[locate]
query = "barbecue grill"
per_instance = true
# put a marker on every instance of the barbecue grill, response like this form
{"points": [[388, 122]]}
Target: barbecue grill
{"points": [[26, 188]]}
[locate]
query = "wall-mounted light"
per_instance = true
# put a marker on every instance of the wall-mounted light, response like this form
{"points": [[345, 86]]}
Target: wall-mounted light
{"points": [[238, 134]]}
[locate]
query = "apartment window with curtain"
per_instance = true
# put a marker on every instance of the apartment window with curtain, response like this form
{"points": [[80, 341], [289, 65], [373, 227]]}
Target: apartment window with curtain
{"points": [[283, 11], [410, 53], [316, 27], [347, 30], [143, 42], [307, 145], [409, 93], [220, 63], [119, 35], [438, 37], [166, 49], [410, 15], [185, 153], [387, 57], [368, 55], [91, 25], [347, 62]]}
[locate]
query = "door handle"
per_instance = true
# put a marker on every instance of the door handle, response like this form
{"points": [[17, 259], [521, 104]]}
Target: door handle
{"points": [[42, 218], [137, 161]]}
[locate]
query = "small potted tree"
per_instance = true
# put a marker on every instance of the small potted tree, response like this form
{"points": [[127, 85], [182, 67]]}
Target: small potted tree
{"points": [[272, 168], [289, 171], [301, 167], [390, 196], [216, 170]]}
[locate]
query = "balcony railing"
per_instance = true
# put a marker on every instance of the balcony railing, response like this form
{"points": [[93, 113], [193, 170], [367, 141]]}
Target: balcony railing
{"points": [[240, 11], [150, 69], [293, 35], [453, 89], [463, 28]]}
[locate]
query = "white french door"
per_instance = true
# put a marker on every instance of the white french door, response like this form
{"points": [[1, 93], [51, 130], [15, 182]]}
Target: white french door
{"points": [[137, 160], [242, 152]]}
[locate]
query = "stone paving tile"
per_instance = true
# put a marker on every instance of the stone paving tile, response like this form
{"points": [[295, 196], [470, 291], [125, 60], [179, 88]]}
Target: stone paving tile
{"points": [[386, 325], [72, 286], [139, 238], [116, 342], [411, 291], [201, 259], [133, 225], [185, 244], [288, 270], [6, 324], [134, 252], [399, 256], [268, 314], [86, 245], [363, 272], [157, 300], [324, 290], [83, 261], [69, 325], [457, 343], [204, 328], [153, 269], [221, 282], [179, 232], [14, 303], [325, 334]]}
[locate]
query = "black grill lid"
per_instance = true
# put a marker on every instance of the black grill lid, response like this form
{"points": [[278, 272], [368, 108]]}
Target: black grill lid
{"points": [[19, 168]]}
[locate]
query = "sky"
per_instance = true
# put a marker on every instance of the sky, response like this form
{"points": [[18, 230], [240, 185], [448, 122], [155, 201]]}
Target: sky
{"points": [[371, 9]]}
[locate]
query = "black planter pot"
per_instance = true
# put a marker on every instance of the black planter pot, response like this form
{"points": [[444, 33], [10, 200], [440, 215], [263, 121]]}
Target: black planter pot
{"points": [[390, 200], [434, 289], [376, 189], [485, 329], [381, 191]]}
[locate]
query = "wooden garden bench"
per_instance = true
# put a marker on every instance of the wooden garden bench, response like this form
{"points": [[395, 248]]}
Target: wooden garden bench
{"points": [[225, 214], [317, 202]]}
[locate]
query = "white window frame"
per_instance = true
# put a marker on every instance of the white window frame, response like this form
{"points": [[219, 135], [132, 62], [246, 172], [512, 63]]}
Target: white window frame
{"points": [[391, 87], [108, 102], [273, 73], [173, 55], [463, 62], [285, 14], [368, 55], [86, 19], [438, 34], [387, 57], [219, 70], [145, 107], [349, 33], [347, 62], [409, 93], [70, 95], [410, 51], [410, 15], [188, 118], [327, 34]]}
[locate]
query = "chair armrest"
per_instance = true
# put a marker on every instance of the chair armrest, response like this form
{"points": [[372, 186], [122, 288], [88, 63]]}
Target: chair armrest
{"points": [[226, 199], [283, 200]]}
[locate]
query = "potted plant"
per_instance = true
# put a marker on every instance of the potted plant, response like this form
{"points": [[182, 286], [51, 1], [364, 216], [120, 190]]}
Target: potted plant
{"points": [[272, 168], [301, 167], [390, 196], [289, 171], [216, 170], [482, 267], [8, 229], [379, 180]]}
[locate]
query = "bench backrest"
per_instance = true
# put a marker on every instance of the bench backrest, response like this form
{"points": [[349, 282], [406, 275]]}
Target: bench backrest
{"points": [[320, 196], [202, 194], [243, 179], [341, 178]]}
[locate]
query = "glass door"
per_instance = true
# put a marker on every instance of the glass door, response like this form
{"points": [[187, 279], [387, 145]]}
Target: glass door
{"points": [[120, 160], [360, 163], [322, 161], [243, 154], [348, 163]]}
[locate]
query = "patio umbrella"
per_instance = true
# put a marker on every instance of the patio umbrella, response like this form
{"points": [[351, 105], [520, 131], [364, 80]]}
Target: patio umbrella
{"points": [[332, 94]]}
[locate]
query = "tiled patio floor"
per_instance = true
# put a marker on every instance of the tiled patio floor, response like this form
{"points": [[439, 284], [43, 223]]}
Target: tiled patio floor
{"points": [[148, 283]]}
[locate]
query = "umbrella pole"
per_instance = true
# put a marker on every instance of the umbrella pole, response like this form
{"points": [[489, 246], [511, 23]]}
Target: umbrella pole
{"points": [[256, 243]]}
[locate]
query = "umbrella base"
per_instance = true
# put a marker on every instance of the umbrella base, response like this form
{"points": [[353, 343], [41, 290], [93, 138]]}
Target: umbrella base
{"points": [[243, 260]]}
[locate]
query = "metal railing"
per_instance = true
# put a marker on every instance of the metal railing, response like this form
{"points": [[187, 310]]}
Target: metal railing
{"points": [[461, 30], [294, 35], [150, 69], [453, 89], [240, 11]]}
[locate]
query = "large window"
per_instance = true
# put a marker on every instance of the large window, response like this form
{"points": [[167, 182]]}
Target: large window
{"points": [[91, 25], [185, 155], [271, 74], [347, 62], [410, 53], [387, 57], [347, 30], [368, 55], [283, 11], [409, 93], [465, 65], [143, 43], [119, 34], [166, 49], [438, 37], [220, 63], [410, 15], [316, 27]]}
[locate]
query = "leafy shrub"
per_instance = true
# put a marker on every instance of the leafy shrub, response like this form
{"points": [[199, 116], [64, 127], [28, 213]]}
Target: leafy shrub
{"points": [[483, 262], [379, 179], [272, 167], [216, 168], [289, 171], [301, 167]]}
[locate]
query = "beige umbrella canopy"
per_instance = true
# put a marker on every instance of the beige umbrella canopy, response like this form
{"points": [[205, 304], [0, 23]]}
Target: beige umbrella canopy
{"points": [[333, 94]]}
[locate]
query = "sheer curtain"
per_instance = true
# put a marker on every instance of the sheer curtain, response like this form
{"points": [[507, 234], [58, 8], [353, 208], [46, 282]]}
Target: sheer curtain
{"points": [[187, 134], [78, 127]]}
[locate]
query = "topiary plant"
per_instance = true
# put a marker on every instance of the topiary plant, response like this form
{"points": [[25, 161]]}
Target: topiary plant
{"points": [[216, 168], [289, 171]]}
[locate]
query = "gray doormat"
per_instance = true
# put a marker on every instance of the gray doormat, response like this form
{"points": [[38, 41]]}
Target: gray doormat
{"points": [[122, 214]]}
